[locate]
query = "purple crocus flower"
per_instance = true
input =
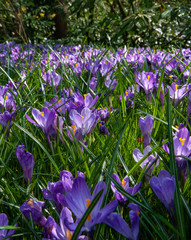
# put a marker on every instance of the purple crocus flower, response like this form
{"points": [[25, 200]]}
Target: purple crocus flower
{"points": [[182, 147], [3, 223], [49, 228], [93, 83], [146, 126], [103, 113], [6, 119], [83, 122], [62, 232], [103, 130], [118, 223], [146, 80], [128, 97], [35, 209], [125, 184], [137, 155], [27, 162], [46, 120], [79, 199], [164, 187], [177, 93], [56, 190], [51, 193], [52, 78]]}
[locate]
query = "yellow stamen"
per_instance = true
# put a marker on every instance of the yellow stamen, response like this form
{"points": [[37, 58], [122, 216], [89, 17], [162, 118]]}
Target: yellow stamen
{"points": [[176, 87], [148, 77], [85, 95], [76, 65], [71, 92], [170, 76], [123, 183], [137, 51], [82, 117], [6, 97], [182, 140], [68, 234], [30, 202], [131, 55], [176, 126], [126, 93], [87, 205], [42, 113]]}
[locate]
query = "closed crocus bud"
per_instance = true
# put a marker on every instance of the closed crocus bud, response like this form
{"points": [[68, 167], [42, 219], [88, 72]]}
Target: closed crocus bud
{"points": [[27, 162], [164, 187], [146, 126]]}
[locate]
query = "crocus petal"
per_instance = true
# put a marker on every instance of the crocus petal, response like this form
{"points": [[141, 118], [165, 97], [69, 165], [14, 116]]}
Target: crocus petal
{"points": [[76, 200], [118, 223]]}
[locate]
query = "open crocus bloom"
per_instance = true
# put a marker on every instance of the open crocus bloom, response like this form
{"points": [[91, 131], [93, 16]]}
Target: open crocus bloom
{"points": [[83, 122], [79, 199], [125, 184], [45, 119], [35, 209], [137, 155]]}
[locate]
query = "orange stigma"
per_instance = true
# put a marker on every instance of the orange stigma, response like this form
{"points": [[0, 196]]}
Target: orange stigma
{"points": [[123, 183], [74, 128], [138, 213], [148, 77], [59, 101], [68, 234], [85, 95], [30, 202], [87, 205], [42, 113]]}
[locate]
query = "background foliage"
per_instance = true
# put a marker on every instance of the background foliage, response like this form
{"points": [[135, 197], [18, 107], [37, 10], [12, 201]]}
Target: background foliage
{"points": [[108, 22]]}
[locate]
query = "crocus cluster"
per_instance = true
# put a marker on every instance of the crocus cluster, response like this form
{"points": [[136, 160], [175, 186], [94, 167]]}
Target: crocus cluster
{"points": [[74, 196]]}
